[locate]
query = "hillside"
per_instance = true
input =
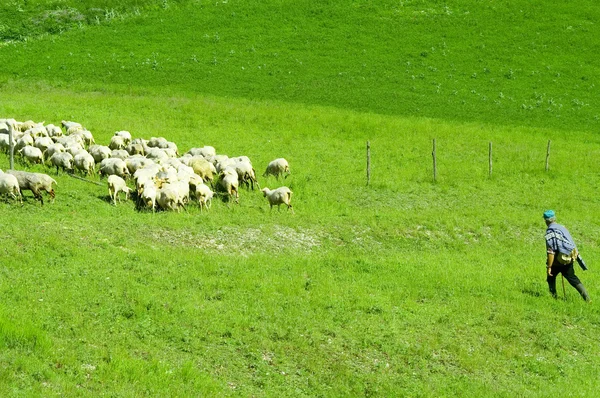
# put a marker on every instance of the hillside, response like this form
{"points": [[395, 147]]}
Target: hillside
{"points": [[404, 287], [508, 63]]}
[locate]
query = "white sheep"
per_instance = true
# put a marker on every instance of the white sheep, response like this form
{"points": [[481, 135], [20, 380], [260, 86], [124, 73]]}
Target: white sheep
{"points": [[52, 149], [64, 160], [117, 142], [229, 183], [169, 198], [277, 167], [204, 195], [84, 162], [148, 194], [279, 196], [113, 166], [35, 182], [115, 185], [43, 143], [99, 152], [9, 185], [32, 154], [126, 136]]}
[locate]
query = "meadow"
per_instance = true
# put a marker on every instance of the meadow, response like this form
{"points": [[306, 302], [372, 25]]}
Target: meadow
{"points": [[404, 287]]}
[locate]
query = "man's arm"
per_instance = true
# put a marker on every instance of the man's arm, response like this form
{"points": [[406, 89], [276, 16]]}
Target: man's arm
{"points": [[549, 262]]}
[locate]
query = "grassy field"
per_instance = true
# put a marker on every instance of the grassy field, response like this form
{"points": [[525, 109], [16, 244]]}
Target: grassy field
{"points": [[405, 287]]}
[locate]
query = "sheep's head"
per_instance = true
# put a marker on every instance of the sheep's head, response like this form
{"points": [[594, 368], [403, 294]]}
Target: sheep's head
{"points": [[265, 191]]}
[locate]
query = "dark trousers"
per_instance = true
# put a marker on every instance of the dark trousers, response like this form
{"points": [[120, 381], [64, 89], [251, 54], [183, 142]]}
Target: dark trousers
{"points": [[569, 273]]}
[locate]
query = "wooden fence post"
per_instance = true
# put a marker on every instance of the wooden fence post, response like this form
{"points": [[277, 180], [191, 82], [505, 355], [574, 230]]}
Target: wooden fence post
{"points": [[548, 156], [490, 159], [434, 162], [368, 162], [12, 146]]}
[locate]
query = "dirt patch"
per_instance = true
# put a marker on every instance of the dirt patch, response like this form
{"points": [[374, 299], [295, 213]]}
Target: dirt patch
{"points": [[236, 241]]}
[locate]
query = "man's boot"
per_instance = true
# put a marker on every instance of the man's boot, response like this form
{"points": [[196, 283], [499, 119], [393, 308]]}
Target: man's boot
{"points": [[581, 289]]}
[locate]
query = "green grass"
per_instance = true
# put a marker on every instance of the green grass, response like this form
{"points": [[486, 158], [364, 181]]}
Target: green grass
{"points": [[508, 63], [405, 287]]}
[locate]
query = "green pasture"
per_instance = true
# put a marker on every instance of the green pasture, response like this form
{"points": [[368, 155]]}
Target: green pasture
{"points": [[403, 287]]}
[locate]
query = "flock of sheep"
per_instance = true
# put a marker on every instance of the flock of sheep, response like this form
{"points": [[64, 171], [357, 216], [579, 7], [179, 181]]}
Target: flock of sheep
{"points": [[163, 179]]}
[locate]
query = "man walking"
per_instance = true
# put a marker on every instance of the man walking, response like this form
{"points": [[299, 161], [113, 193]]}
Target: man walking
{"points": [[561, 252]]}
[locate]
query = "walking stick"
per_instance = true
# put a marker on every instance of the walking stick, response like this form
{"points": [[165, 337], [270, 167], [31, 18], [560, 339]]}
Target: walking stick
{"points": [[563, 283]]}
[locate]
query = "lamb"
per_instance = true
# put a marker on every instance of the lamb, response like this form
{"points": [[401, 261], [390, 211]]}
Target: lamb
{"points": [[9, 185], [114, 166], [35, 182], [115, 185], [282, 195], [32, 154], [277, 167], [64, 160], [84, 162]]}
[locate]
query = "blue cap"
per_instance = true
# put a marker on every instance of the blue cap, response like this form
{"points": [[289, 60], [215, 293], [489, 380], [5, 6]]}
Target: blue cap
{"points": [[548, 214]]}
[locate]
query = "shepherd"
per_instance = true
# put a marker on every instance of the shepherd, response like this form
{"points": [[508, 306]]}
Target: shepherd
{"points": [[561, 254]]}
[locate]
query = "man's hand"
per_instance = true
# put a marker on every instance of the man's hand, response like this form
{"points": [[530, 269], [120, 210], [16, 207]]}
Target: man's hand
{"points": [[549, 269]]}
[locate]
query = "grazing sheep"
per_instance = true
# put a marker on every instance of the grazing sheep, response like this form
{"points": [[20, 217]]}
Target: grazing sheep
{"points": [[32, 154], [25, 140], [43, 143], [135, 149], [53, 131], [52, 149], [115, 185], [204, 195], [119, 153], [246, 173], [158, 142], [68, 124], [206, 152], [86, 136], [136, 162], [201, 167], [64, 160], [117, 142], [277, 167], [126, 135], [279, 196], [229, 183], [84, 162], [9, 185], [113, 166], [169, 198], [99, 152], [148, 195], [35, 182]]}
